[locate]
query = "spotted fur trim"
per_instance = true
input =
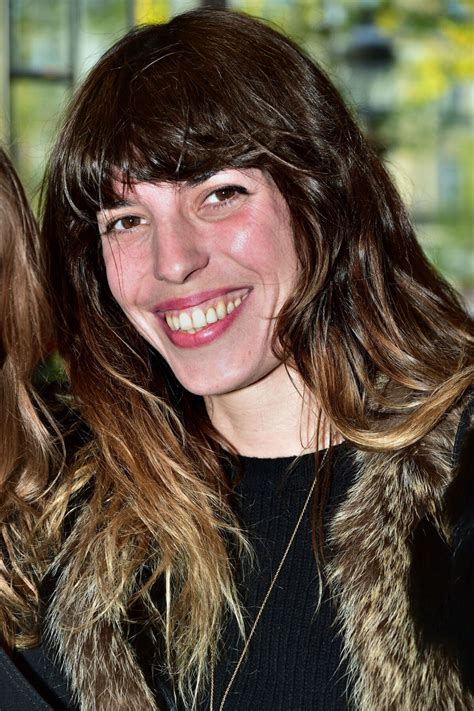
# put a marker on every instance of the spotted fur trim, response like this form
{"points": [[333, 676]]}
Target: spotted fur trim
{"points": [[97, 660], [394, 665]]}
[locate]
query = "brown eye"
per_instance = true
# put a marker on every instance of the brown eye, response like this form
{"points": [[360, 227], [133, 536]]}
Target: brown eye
{"points": [[227, 193], [129, 222]]}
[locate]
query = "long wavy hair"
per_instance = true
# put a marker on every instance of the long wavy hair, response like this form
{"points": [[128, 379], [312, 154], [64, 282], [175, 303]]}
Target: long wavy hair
{"points": [[377, 335], [29, 449]]}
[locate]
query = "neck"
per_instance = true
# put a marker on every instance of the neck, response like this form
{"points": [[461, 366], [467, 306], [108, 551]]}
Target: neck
{"points": [[274, 417]]}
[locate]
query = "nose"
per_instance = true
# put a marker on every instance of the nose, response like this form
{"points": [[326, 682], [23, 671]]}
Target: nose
{"points": [[178, 251]]}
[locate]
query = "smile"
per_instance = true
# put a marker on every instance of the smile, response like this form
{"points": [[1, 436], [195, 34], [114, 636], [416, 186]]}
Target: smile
{"points": [[196, 319]]}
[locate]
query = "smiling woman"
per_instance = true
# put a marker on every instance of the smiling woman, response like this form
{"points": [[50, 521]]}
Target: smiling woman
{"points": [[204, 264], [270, 512]]}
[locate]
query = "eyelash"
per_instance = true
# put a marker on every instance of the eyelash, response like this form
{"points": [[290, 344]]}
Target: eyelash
{"points": [[239, 189]]}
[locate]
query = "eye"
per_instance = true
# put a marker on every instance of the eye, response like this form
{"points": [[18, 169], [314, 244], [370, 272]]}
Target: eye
{"points": [[124, 224], [225, 195]]}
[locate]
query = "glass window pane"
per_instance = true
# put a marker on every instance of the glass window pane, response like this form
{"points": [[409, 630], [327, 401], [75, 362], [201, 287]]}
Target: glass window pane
{"points": [[4, 73], [36, 107], [177, 6], [40, 33], [101, 23], [301, 19]]}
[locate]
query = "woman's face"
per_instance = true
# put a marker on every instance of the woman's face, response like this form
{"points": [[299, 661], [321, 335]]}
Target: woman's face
{"points": [[202, 269]]}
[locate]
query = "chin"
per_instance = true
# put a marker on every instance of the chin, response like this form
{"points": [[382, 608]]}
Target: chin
{"points": [[208, 390], [212, 386]]}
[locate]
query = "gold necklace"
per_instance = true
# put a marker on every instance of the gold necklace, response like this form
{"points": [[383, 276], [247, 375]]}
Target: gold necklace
{"points": [[265, 599]]}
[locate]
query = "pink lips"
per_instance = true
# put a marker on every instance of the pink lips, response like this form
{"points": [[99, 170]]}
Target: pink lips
{"points": [[186, 302], [205, 336]]}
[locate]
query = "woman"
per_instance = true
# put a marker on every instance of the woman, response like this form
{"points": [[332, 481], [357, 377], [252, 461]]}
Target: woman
{"points": [[30, 450], [263, 356]]}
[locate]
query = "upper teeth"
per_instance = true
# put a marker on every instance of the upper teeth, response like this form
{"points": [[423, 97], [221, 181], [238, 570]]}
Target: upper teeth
{"points": [[201, 317]]}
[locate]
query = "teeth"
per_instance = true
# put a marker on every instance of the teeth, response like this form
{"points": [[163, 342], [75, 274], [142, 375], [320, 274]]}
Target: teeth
{"points": [[197, 320], [221, 310], [211, 316], [185, 322]]}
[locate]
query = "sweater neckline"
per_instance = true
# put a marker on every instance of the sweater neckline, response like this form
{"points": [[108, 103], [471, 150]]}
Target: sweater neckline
{"points": [[278, 462], [283, 473]]}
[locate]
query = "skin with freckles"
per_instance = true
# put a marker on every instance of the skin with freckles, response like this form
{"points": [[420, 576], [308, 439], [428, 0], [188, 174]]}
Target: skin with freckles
{"points": [[173, 246]]}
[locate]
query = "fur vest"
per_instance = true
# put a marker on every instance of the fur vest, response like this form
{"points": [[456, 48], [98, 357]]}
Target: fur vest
{"points": [[397, 573]]}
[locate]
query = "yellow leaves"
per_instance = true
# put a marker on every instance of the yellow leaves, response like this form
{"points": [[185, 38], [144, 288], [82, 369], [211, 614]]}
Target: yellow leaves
{"points": [[461, 39], [460, 35], [388, 20], [464, 67], [434, 51], [150, 11], [442, 61], [254, 7], [426, 80]]}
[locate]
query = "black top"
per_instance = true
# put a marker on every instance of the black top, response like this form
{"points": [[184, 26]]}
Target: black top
{"points": [[294, 657]]}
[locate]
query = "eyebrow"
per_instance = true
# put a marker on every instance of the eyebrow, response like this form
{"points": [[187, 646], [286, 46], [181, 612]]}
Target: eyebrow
{"points": [[113, 204], [198, 179]]}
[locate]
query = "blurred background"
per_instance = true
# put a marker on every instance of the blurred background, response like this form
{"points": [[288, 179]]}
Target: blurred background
{"points": [[405, 66]]}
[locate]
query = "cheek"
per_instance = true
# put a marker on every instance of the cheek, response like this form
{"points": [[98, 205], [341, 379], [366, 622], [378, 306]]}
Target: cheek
{"points": [[257, 242], [120, 274], [268, 250], [263, 236], [239, 244], [242, 245]]}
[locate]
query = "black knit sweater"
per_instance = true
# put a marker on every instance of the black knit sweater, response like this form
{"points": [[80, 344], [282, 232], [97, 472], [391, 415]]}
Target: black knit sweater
{"points": [[294, 658]]}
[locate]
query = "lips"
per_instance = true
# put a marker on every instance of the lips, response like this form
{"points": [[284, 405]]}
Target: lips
{"points": [[187, 302], [200, 321]]}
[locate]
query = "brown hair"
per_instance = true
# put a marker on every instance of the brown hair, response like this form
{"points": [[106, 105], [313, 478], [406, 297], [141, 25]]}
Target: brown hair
{"points": [[27, 451], [379, 338]]}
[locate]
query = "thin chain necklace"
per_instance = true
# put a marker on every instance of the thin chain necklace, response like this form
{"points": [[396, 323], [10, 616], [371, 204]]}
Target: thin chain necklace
{"points": [[265, 599]]}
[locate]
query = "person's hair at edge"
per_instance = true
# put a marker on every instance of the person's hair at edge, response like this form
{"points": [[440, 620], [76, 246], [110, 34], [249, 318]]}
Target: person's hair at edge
{"points": [[376, 334], [27, 450]]}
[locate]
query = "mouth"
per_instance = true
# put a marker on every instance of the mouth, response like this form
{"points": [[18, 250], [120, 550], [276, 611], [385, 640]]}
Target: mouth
{"points": [[198, 318]]}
